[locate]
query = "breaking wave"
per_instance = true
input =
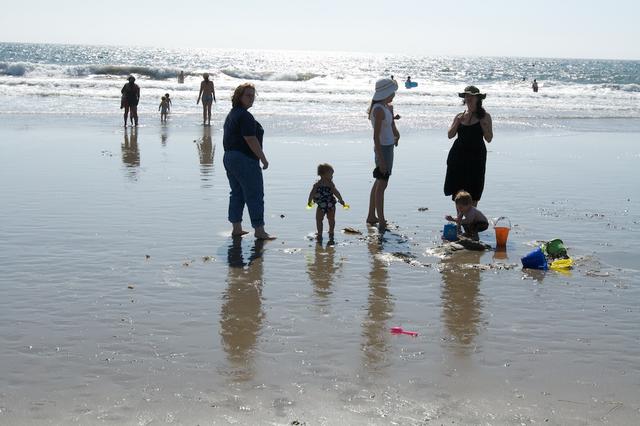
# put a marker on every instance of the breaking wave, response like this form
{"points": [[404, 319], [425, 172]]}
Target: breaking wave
{"points": [[269, 75]]}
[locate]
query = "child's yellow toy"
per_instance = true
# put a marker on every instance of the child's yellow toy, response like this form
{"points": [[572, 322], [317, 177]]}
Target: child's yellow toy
{"points": [[562, 264]]}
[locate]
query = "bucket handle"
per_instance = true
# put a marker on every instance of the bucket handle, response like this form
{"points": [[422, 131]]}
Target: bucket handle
{"points": [[497, 219]]}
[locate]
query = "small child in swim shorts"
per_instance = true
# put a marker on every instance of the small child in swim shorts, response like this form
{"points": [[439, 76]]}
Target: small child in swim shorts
{"points": [[324, 193], [469, 217], [163, 108]]}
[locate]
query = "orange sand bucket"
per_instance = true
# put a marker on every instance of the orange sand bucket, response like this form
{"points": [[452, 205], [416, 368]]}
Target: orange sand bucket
{"points": [[502, 234], [502, 226]]}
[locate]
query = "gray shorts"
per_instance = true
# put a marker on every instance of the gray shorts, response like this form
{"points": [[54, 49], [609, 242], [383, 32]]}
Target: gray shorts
{"points": [[387, 154]]}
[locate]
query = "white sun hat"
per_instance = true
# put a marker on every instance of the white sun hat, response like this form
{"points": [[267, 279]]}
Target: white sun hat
{"points": [[385, 87]]}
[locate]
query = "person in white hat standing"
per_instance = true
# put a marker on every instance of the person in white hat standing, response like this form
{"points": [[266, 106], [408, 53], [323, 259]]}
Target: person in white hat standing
{"points": [[385, 139]]}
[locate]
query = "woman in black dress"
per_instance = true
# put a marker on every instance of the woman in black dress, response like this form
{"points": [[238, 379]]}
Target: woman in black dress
{"points": [[468, 155]]}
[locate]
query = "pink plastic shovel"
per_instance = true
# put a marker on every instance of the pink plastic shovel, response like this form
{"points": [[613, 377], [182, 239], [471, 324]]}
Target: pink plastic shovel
{"points": [[400, 330]]}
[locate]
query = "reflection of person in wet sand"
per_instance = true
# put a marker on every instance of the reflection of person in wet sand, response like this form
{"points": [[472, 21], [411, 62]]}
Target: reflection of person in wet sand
{"points": [[322, 270], [208, 95], [130, 153], [205, 148], [164, 135], [241, 314], [379, 308], [461, 306]]}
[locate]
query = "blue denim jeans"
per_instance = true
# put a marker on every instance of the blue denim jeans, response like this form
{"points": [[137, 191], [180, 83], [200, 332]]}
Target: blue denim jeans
{"points": [[245, 179]]}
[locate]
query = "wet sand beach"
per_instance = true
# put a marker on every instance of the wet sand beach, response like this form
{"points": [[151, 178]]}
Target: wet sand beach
{"points": [[124, 301]]}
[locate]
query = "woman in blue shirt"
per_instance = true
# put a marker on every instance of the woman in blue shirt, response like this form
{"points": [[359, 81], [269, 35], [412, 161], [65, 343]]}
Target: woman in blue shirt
{"points": [[242, 157]]}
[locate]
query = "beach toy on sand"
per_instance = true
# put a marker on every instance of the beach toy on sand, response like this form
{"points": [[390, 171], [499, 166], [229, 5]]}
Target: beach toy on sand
{"points": [[349, 230], [450, 232], [535, 260], [562, 264], [554, 248], [502, 226], [400, 330]]}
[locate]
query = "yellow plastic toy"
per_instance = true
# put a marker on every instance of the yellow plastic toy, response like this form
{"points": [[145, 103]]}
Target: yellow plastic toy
{"points": [[562, 264]]}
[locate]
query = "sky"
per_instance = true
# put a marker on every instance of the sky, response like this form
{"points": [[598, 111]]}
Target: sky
{"points": [[568, 29]]}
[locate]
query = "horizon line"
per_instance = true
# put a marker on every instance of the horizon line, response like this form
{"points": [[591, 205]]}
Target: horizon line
{"points": [[353, 52]]}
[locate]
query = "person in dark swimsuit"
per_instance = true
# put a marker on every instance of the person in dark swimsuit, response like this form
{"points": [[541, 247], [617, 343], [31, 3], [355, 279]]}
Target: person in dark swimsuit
{"points": [[324, 194], [129, 101], [467, 157], [208, 96]]}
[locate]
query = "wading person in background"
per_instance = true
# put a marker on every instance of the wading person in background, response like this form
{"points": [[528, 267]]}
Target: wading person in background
{"points": [[208, 95], [129, 101]]}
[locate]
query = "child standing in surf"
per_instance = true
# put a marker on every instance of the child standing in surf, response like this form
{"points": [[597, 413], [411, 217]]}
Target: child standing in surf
{"points": [[164, 109], [324, 193], [385, 139]]}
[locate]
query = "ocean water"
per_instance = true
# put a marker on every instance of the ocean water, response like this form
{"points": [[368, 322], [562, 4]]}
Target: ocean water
{"points": [[73, 79]]}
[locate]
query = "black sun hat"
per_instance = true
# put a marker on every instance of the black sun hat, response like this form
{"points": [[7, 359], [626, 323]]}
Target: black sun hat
{"points": [[472, 90]]}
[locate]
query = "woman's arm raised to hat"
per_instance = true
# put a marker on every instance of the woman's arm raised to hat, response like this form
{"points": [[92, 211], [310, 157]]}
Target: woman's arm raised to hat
{"points": [[487, 128], [453, 129]]}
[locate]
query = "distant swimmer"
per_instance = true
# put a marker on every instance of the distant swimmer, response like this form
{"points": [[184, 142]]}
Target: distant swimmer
{"points": [[181, 77], [409, 84], [129, 101], [208, 95], [534, 86]]}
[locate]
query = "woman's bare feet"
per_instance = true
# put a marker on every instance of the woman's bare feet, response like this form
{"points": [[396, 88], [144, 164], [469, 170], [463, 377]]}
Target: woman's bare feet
{"points": [[264, 236], [261, 234], [237, 230]]}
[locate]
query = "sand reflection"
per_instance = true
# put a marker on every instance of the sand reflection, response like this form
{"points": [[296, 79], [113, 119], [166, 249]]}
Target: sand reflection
{"points": [[164, 135], [461, 305], [321, 270], [375, 329], [206, 152], [241, 315], [130, 152]]}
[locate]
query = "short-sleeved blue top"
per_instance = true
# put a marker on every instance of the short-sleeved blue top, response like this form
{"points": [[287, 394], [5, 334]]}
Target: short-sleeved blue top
{"points": [[238, 124]]}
